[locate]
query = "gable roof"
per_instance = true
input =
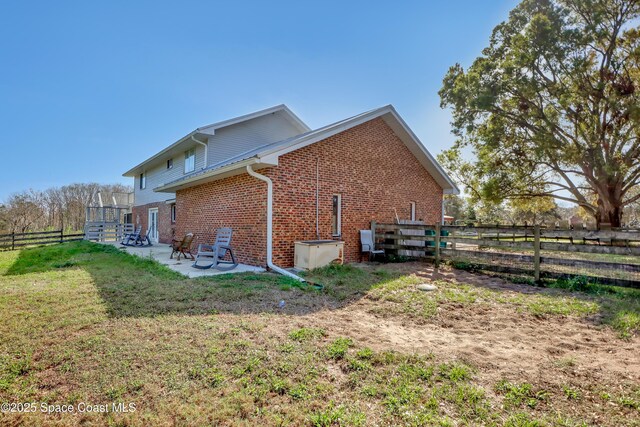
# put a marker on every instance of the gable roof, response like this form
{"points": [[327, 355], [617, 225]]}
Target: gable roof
{"points": [[210, 129], [268, 154]]}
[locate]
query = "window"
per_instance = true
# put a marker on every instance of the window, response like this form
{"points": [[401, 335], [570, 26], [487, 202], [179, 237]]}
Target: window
{"points": [[173, 213], [170, 164], [143, 181], [413, 211], [336, 213], [190, 160]]}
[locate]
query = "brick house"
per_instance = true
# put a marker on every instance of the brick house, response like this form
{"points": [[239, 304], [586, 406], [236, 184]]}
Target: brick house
{"points": [[327, 183]]}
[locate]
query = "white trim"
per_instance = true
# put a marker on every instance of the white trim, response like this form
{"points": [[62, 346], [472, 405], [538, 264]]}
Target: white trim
{"points": [[271, 155], [338, 214], [229, 170], [188, 155], [151, 236], [209, 130], [412, 211], [446, 183]]}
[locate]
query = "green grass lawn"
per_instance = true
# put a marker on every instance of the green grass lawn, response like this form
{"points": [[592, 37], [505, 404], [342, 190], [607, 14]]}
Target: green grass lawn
{"points": [[87, 323]]}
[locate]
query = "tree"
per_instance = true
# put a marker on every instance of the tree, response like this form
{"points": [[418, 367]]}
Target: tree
{"points": [[454, 206], [534, 211], [54, 208], [552, 107]]}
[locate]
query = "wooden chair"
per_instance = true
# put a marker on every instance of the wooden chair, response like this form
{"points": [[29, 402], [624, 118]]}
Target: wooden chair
{"points": [[209, 256], [182, 247]]}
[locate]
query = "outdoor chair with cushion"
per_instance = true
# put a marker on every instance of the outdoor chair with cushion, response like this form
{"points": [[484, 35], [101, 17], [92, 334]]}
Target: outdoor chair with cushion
{"points": [[366, 240], [214, 256], [182, 247]]}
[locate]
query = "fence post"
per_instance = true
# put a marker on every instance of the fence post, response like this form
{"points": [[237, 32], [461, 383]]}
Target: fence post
{"points": [[536, 252], [437, 245], [61, 235], [13, 241], [453, 234]]}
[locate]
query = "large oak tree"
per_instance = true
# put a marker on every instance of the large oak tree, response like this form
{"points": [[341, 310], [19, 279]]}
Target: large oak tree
{"points": [[552, 107]]}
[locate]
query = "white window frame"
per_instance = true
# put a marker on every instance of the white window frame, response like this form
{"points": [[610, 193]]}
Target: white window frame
{"points": [[169, 163], [338, 230], [173, 213], [412, 210], [143, 181], [191, 166]]}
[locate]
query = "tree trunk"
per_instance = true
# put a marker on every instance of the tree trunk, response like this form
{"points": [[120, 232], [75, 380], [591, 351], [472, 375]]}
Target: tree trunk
{"points": [[608, 213]]}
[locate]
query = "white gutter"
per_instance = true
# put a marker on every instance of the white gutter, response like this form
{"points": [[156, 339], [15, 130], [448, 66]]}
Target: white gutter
{"points": [[206, 150], [270, 263]]}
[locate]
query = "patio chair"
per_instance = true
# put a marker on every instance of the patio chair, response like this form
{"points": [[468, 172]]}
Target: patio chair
{"points": [[131, 239], [143, 239], [213, 256], [182, 247], [366, 240]]}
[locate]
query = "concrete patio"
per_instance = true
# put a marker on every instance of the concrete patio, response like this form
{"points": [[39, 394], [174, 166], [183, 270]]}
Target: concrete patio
{"points": [[161, 253]]}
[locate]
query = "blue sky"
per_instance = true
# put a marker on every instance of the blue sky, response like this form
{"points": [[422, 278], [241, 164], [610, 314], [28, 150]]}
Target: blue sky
{"points": [[89, 89]]}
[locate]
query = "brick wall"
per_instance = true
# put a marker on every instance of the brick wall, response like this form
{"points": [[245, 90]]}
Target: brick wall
{"points": [[239, 202], [166, 229], [372, 170], [368, 165]]}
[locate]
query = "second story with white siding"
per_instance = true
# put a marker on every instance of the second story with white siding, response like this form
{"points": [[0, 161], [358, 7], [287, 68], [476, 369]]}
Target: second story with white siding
{"points": [[209, 145]]}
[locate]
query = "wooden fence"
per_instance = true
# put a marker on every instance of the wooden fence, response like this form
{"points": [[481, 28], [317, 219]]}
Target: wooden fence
{"points": [[101, 231], [17, 240], [607, 256]]}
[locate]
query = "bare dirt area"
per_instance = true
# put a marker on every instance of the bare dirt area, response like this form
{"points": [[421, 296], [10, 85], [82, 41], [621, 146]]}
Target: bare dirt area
{"points": [[552, 352]]}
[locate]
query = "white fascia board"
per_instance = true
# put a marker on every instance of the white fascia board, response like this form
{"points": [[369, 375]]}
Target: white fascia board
{"points": [[215, 174], [388, 109], [454, 189], [140, 167], [316, 137], [209, 130]]}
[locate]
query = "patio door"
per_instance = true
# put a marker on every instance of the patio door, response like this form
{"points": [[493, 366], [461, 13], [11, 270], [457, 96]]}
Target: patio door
{"points": [[153, 225]]}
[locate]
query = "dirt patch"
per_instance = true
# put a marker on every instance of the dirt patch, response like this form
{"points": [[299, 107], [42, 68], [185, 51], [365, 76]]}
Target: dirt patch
{"points": [[552, 352]]}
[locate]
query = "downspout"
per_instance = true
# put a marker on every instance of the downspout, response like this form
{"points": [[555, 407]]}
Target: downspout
{"points": [[318, 198], [270, 263], [206, 150]]}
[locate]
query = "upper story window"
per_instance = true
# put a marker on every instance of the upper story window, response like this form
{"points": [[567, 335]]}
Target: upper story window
{"points": [[143, 181], [190, 160], [170, 164], [336, 214]]}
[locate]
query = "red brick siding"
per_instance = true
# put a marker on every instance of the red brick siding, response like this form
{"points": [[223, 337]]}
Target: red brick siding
{"points": [[166, 229], [368, 165], [373, 171], [239, 202]]}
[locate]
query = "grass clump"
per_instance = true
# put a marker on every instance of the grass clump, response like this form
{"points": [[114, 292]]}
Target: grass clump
{"points": [[518, 394], [306, 334], [338, 348]]}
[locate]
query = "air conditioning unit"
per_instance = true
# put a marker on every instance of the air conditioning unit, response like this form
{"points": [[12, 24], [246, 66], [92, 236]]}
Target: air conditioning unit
{"points": [[310, 254]]}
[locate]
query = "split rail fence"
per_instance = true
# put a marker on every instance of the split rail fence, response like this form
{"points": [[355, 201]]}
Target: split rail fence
{"points": [[18, 240], [606, 256]]}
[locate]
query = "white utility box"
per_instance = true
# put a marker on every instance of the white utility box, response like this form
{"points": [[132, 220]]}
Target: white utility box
{"points": [[310, 254]]}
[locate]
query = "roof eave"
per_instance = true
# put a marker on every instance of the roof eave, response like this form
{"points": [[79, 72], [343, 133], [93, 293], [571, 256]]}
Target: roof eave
{"points": [[213, 175], [209, 130]]}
